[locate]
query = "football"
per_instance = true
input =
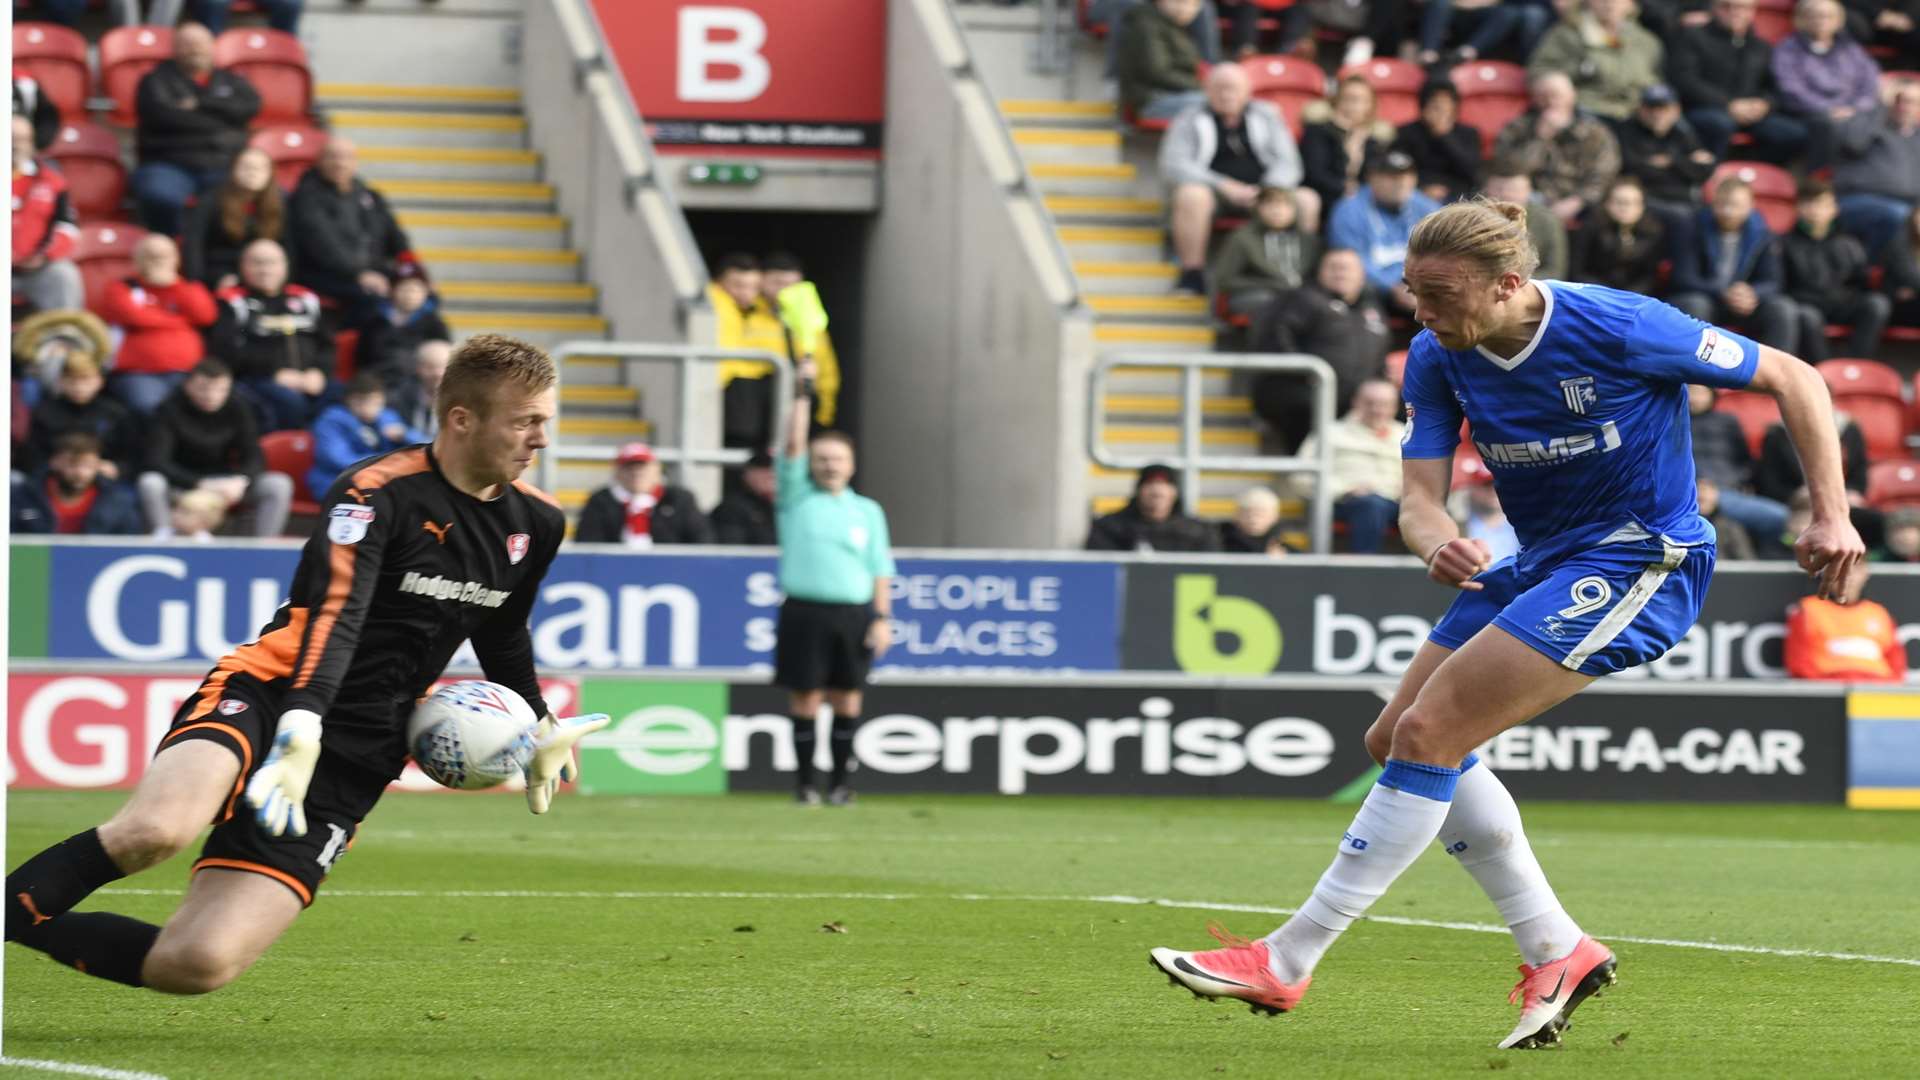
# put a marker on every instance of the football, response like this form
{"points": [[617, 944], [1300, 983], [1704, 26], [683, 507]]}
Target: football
{"points": [[472, 735]]}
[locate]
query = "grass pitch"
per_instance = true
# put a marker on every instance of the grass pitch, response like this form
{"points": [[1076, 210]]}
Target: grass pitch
{"points": [[966, 943]]}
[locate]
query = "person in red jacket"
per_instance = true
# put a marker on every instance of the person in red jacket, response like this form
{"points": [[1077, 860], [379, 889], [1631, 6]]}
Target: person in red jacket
{"points": [[162, 314], [44, 231]]}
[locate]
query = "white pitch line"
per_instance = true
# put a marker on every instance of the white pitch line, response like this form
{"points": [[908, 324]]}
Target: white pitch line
{"points": [[1131, 901], [72, 1069]]}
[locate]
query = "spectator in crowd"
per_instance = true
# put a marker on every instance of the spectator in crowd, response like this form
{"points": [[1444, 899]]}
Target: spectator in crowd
{"points": [[1721, 454], [639, 509], [29, 102], [1726, 269], [1661, 151], [1445, 152], [1482, 517], [1364, 469], [1216, 157], [44, 230], [1155, 59], [1338, 143], [1481, 27], [1265, 257], [1338, 319], [1903, 272], [162, 315], [43, 341], [1255, 528], [1894, 25], [1826, 279], [1374, 24], [73, 496], [1509, 182], [1731, 539], [1569, 156], [193, 119], [1621, 246], [1377, 222], [359, 427], [1610, 58], [408, 315], [1902, 542], [1824, 77], [248, 206], [1203, 31], [1243, 27], [196, 515], [745, 516], [744, 320], [1153, 520], [782, 270], [1723, 72], [269, 334], [1665, 18], [201, 439], [412, 393], [282, 15], [77, 405], [1778, 474], [347, 241], [1877, 170]]}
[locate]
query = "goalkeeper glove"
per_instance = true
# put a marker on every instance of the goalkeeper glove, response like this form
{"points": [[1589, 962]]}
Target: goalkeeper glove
{"points": [[278, 790], [552, 761]]}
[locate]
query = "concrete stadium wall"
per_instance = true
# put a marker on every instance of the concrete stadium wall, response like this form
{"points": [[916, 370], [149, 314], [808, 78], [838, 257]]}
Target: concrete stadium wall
{"points": [[977, 345]]}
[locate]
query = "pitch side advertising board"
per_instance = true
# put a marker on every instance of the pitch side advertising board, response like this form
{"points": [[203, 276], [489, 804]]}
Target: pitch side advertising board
{"points": [[753, 76]]}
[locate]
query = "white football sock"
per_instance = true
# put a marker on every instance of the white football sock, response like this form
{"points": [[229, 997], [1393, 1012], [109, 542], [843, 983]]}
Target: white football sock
{"points": [[1483, 831], [1393, 825]]}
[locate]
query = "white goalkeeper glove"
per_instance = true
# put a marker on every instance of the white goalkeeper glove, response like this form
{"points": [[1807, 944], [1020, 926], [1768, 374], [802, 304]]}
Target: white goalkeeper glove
{"points": [[278, 790], [552, 762]]}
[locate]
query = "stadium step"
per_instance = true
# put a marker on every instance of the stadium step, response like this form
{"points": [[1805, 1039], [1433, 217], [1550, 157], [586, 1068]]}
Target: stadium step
{"points": [[1123, 306], [461, 228], [1126, 276], [1114, 208], [602, 397], [541, 328], [383, 127], [1098, 115], [1244, 440], [1080, 178], [1152, 337], [517, 295], [414, 96], [1169, 404], [411, 194], [384, 164], [1075, 145], [483, 264], [1114, 243], [611, 427]]}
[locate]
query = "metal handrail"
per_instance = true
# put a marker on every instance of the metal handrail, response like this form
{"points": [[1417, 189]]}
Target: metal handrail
{"points": [[1190, 458], [682, 358]]}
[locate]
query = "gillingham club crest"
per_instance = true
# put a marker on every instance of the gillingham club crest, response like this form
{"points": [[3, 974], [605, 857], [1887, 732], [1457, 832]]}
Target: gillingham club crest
{"points": [[517, 546], [1579, 394]]}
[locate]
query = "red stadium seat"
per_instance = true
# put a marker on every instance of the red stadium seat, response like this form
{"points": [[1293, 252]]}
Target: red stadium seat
{"points": [[1756, 413], [276, 64], [89, 155], [1492, 93], [1287, 83], [293, 147], [1883, 423], [1774, 190], [56, 57], [1848, 377], [1893, 483], [291, 452], [104, 254], [346, 345], [1396, 87], [127, 53], [1773, 20], [1468, 467]]}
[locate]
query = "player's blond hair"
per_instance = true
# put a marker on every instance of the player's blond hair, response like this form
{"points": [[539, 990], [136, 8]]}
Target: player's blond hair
{"points": [[486, 362], [1488, 233]]}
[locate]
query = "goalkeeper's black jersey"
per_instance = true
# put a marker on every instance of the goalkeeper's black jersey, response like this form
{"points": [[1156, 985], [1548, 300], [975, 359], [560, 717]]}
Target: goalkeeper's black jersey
{"points": [[403, 568]]}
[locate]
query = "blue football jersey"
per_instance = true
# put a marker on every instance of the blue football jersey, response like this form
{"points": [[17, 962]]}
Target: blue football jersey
{"points": [[1586, 430]]}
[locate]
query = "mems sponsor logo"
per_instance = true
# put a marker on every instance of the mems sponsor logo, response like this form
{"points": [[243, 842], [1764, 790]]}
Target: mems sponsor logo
{"points": [[465, 592], [1551, 451]]}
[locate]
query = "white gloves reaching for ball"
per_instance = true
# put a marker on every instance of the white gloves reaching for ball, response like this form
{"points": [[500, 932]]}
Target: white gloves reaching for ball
{"points": [[278, 790], [552, 761]]}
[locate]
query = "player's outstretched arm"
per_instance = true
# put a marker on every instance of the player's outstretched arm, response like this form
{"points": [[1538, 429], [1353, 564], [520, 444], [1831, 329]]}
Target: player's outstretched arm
{"points": [[1830, 549], [1430, 532], [552, 760]]}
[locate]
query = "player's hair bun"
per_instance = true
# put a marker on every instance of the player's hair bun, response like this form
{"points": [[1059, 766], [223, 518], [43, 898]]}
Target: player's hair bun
{"points": [[1488, 233], [1511, 211]]}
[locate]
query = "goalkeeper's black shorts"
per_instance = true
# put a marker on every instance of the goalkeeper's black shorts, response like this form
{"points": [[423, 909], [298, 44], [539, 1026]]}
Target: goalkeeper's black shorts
{"points": [[240, 712]]}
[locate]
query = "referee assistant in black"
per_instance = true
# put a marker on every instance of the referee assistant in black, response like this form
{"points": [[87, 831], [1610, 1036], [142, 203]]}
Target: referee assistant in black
{"points": [[835, 565]]}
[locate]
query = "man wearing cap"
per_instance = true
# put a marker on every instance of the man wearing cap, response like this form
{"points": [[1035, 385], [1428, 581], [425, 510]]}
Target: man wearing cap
{"points": [[1377, 222], [836, 566], [1661, 150], [1153, 520], [639, 509], [745, 517]]}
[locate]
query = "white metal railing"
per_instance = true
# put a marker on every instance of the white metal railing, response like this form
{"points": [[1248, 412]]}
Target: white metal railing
{"points": [[684, 359], [1191, 457]]}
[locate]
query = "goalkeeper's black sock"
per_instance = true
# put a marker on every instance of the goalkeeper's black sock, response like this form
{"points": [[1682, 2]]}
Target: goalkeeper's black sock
{"points": [[841, 744], [49, 884], [97, 943], [804, 740]]}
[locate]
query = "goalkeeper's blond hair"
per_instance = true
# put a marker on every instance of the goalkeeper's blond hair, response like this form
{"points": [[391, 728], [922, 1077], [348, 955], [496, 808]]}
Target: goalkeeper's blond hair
{"points": [[485, 363]]}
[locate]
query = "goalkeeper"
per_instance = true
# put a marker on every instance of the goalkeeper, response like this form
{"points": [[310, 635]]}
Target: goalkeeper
{"points": [[292, 737]]}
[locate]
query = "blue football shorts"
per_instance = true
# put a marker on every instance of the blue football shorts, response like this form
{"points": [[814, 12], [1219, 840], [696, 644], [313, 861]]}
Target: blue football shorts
{"points": [[1597, 611]]}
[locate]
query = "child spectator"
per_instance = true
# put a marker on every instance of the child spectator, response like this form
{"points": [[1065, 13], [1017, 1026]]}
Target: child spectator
{"points": [[245, 208], [412, 395], [360, 427], [639, 509], [77, 405], [1826, 273], [162, 314], [1622, 245], [407, 316], [72, 498], [1255, 528], [1266, 256], [195, 517]]}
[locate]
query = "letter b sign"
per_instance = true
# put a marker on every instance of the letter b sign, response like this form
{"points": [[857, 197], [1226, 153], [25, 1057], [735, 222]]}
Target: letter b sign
{"points": [[1203, 620], [721, 38]]}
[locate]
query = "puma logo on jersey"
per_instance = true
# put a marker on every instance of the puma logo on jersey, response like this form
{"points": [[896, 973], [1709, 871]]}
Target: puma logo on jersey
{"points": [[439, 531], [1551, 451], [439, 588]]}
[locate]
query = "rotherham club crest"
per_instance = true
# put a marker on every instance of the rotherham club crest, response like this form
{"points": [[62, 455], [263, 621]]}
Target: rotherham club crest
{"points": [[517, 546]]}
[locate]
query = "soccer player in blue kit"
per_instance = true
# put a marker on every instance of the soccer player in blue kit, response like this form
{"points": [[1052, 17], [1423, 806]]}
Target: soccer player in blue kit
{"points": [[1576, 399]]}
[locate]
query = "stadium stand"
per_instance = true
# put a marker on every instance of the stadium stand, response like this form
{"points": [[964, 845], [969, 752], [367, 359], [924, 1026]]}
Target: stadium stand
{"points": [[276, 64], [104, 254], [291, 453], [127, 53], [96, 178], [1492, 92], [1893, 484], [1290, 84], [56, 57], [1396, 87], [293, 147]]}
